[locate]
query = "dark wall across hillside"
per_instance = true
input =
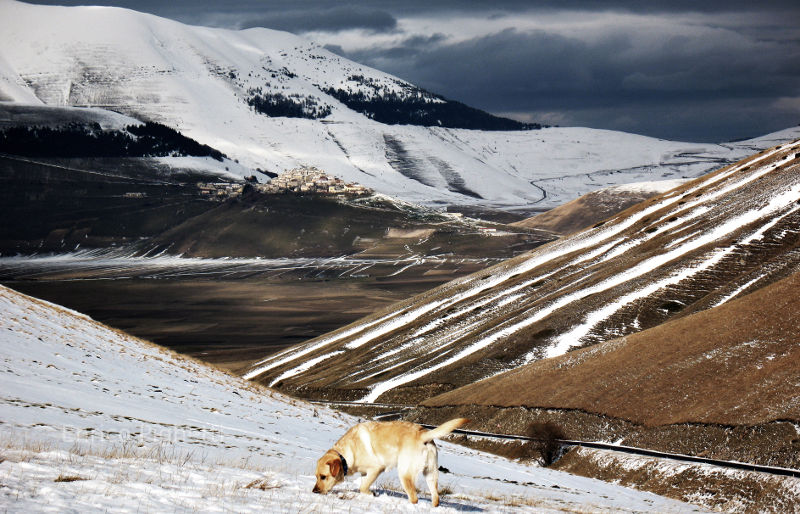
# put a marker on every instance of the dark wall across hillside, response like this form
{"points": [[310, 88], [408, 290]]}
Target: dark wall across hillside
{"points": [[396, 109], [89, 140]]}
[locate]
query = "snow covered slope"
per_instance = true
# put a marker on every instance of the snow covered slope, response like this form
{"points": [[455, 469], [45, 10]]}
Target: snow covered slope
{"points": [[692, 248], [199, 81], [95, 420]]}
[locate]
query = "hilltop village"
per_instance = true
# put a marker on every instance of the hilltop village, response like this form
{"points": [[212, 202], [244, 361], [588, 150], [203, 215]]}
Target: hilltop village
{"points": [[309, 179], [306, 179]]}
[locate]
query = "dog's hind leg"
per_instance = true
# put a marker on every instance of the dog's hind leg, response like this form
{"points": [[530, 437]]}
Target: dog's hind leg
{"points": [[431, 472], [407, 480], [407, 469]]}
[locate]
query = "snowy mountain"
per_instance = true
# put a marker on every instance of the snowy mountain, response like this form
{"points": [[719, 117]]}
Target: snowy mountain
{"points": [[95, 420], [219, 87], [695, 247]]}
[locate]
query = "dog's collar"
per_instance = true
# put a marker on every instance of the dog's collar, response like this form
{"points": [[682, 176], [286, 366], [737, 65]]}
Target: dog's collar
{"points": [[343, 461]]}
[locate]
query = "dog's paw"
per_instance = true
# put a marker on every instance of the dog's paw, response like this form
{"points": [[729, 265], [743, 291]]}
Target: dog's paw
{"points": [[346, 495]]}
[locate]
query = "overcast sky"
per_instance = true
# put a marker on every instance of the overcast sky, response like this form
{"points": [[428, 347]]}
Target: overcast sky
{"points": [[686, 70]]}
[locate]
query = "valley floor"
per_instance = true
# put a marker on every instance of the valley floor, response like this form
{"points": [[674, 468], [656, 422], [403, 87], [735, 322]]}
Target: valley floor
{"points": [[229, 312]]}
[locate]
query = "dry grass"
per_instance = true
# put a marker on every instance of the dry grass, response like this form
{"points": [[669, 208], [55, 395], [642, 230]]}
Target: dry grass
{"points": [[22, 450], [515, 501], [69, 478], [25, 450], [264, 484]]}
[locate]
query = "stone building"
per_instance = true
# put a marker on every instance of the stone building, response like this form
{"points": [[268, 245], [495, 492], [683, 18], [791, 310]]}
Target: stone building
{"points": [[308, 179]]}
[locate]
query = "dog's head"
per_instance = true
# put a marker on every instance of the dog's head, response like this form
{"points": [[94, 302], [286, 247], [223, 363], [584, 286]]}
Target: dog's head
{"points": [[329, 472]]}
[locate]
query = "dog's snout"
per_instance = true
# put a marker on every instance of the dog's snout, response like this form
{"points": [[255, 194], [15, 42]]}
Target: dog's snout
{"points": [[315, 490]]}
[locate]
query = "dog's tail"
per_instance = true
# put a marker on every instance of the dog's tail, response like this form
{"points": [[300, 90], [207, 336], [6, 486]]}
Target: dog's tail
{"points": [[443, 429]]}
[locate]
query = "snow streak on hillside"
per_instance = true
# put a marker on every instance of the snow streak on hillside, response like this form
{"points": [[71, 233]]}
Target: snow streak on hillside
{"points": [[203, 81], [95, 420], [695, 247]]}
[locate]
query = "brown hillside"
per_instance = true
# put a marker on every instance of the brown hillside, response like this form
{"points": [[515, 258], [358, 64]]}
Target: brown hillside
{"points": [[589, 209], [738, 363]]}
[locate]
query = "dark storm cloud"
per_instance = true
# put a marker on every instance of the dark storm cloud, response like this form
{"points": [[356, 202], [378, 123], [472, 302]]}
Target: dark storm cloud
{"points": [[331, 19], [614, 81], [424, 41], [555, 65], [184, 9], [405, 51]]}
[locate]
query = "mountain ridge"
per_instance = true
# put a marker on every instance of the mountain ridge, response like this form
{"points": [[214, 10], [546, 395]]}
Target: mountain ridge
{"points": [[201, 81]]}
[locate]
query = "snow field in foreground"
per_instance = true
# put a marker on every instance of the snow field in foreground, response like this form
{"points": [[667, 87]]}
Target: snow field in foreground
{"points": [[96, 420]]}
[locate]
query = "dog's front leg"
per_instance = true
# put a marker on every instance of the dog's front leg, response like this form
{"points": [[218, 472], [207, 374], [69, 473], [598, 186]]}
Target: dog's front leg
{"points": [[368, 479]]}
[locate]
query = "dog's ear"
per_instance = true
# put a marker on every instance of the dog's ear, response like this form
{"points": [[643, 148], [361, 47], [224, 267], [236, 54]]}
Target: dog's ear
{"points": [[336, 467]]}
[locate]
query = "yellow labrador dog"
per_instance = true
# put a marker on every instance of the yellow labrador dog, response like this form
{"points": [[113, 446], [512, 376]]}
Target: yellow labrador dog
{"points": [[372, 447]]}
